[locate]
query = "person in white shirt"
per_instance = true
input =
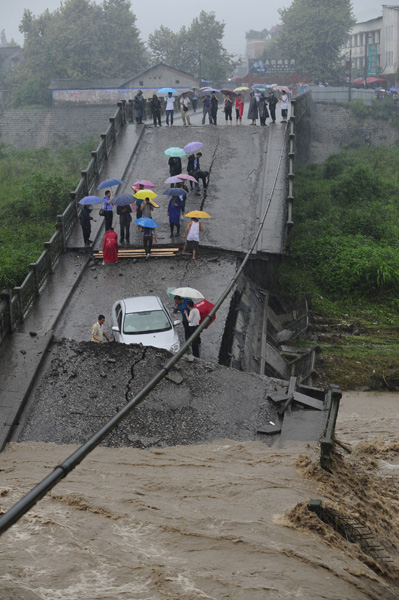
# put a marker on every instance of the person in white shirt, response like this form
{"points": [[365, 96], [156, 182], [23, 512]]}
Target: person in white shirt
{"points": [[193, 318], [284, 107], [184, 102], [170, 108], [97, 332], [192, 235]]}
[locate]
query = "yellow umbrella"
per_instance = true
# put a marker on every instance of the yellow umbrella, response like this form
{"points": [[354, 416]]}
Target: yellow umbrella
{"points": [[143, 194], [198, 214], [154, 203], [241, 89]]}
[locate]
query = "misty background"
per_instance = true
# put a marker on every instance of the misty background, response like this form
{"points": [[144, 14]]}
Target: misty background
{"points": [[239, 17]]}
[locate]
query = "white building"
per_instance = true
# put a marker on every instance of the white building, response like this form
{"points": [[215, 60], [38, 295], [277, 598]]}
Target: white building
{"points": [[374, 46]]}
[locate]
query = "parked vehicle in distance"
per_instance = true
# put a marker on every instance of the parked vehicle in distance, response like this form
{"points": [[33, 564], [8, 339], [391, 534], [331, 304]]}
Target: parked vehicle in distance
{"points": [[144, 320]]}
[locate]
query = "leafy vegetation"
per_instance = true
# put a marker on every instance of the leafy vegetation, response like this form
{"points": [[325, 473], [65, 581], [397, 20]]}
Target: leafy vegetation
{"points": [[314, 32], [36, 186], [80, 40], [345, 254], [197, 49]]}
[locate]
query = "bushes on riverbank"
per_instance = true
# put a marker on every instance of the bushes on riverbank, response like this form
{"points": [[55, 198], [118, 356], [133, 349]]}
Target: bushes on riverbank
{"points": [[345, 242], [35, 188]]}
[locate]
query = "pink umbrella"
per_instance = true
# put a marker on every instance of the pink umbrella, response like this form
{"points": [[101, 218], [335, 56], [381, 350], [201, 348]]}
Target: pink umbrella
{"points": [[189, 177], [145, 182], [174, 179], [283, 88]]}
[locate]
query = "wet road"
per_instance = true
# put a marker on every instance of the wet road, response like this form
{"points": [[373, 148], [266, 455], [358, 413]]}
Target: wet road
{"points": [[234, 156], [101, 286]]}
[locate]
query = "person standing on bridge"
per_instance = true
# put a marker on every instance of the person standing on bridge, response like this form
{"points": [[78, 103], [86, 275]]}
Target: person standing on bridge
{"points": [[155, 105], [263, 112], [175, 167], [97, 331], [148, 234], [125, 218], [108, 212], [253, 109], [169, 108], [272, 100], [206, 108], [84, 219], [184, 103], [139, 104], [239, 108], [192, 235], [284, 107], [110, 247], [193, 317], [214, 108]]}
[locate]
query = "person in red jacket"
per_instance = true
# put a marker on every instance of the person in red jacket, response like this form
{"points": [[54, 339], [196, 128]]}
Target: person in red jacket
{"points": [[110, 247], [239, 108]]}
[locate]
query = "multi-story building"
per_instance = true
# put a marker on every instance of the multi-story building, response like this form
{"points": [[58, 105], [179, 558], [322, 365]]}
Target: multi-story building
{"points": [[374, 46]]}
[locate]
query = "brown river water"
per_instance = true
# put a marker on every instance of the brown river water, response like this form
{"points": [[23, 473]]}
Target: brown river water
{"points": [[225, 520]]}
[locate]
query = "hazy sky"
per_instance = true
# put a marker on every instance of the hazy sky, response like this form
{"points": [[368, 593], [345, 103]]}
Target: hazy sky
{"points": [[251, 14]]}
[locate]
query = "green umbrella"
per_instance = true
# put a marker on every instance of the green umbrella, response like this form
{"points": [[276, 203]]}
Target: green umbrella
{"points": [[175, 152]]}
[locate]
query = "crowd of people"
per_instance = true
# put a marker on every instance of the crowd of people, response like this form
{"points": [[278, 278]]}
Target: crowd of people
{"points": [[260, 107]]}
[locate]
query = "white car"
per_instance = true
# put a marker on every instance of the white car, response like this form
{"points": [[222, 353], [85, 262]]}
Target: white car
{"points": [[144, 320]]}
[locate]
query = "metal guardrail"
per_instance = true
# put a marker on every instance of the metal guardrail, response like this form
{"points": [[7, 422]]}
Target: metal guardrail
{"points": [[299, 106], [15, 304]]}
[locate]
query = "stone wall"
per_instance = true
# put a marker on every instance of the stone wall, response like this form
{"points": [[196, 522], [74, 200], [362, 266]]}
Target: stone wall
{"points": [[334, 126], [53, 127]]}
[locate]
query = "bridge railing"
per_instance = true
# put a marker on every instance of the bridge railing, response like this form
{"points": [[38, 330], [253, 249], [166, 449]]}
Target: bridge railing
{"points": [[299, 106], [16, 303]]}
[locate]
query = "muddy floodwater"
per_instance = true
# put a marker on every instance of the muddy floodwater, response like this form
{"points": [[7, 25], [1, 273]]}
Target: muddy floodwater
{"points": [[224, 520]]}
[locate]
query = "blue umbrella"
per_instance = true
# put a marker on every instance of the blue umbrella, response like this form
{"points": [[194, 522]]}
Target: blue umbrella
{"points": [[123, 200], [174, 192], [166, 90], [147, 222], [91, 200], [109, 183]]}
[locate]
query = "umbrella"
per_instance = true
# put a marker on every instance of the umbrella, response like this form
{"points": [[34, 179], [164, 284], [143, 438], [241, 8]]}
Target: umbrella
{"points": [[192, 147], [109, 183], [198, 214], [145, 182], [283, 88], [209, 90], [188, 292], [143, 194], [225, 92], [174, 192], [123, 200], [147, 222], [91, 200], [175, 152], [393, 89], [174, 179], [189, 177], [166, 90], [205, 308], [241, 89]]}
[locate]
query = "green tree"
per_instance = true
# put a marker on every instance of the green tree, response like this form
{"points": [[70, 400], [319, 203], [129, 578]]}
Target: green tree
{"points": [[252, 34], [198, 49], [313, 31], [79, 40]]}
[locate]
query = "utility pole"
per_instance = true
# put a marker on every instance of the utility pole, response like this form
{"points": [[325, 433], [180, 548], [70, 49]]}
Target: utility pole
{"points": [[366, 62], [350, 73]]}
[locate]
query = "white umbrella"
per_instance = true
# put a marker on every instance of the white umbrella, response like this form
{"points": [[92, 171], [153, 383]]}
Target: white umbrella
{"points": [[188, 292]]}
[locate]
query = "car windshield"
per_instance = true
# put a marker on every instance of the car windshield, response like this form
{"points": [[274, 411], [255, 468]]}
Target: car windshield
{"points": [[149, 321]]}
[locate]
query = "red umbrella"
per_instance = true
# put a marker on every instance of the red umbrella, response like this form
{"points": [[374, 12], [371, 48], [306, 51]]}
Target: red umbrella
{"points": [[205, 308], [225, 92]]}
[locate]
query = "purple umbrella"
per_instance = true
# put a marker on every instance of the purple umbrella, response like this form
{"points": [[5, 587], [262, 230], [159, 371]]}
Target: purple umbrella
{"points": [[193, 147], [174, 179]]}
